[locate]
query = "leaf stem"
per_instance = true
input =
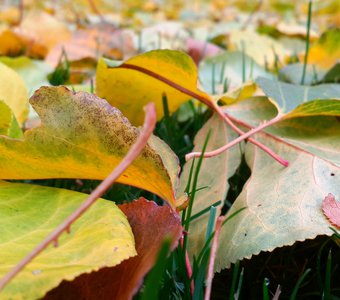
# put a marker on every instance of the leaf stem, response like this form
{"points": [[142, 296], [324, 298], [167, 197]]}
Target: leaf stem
{"points": [[242, 137], [135, 150], [210, 273]]}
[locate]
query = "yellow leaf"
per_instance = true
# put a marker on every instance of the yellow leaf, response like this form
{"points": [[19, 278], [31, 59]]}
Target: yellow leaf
{"points": [[326, 52], [8, 123], [13, 92], [10, 43], [28, 213], [146, 77], [82, 136]]}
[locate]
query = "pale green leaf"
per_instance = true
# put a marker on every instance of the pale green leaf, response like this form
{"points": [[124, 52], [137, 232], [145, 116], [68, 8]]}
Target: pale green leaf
{"points": [[33, 72], [28, 213], [301, 132], [213, 71], [283, 204], [13, 92], [8, 123]]}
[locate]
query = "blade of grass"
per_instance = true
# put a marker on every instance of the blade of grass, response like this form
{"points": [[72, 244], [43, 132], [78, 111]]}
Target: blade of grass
{"points": [[239, 285], [307, 42], [265, 289], [298, 284], [327, 286], [234, 281], [204, 211], [202, 265], [193, 191]]}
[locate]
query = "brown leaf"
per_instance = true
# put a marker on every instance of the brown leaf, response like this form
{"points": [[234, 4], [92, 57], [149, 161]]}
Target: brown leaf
{"points": [[331, 209], [150, 224]]}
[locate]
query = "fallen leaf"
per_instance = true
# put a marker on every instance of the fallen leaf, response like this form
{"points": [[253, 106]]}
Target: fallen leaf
{"points": [[11, 44], [326, 51], [261, 48], [213, 187], [146, 77], [199, 50], [43, 30], [93, 42], [331, 209], [283, 204], [150, 224], [296, 100], [33, 72], [82, 136], [13, 92], [228, 66], [292, 74], [101, 238], [299, 131], [8, 123]]}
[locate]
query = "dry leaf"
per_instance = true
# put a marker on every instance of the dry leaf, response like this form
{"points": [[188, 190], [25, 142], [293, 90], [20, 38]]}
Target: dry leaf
{"points": [[331, 209]]}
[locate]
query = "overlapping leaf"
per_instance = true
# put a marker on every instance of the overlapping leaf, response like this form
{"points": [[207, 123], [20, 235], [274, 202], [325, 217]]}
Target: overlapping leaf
{"points": [[82, 136], [8, 123], [150, 224], [295, 100], [28, 213], [147, 77], [283, 204], [230, 67], [13, 92], [33, 72], [299, 132]]}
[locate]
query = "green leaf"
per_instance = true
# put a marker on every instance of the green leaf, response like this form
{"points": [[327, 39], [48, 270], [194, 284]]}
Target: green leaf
{"points": [[283, 204], [28, 213], [8, 123], [145, 78], [13, 92], [82, 136], [212, 178], [295, 100]]}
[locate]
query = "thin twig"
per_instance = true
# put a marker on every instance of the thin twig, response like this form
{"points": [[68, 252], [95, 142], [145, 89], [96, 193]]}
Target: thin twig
{"points": [[206, 100], [241, 138], [307, 42], [210, 273], [135, 150]]}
